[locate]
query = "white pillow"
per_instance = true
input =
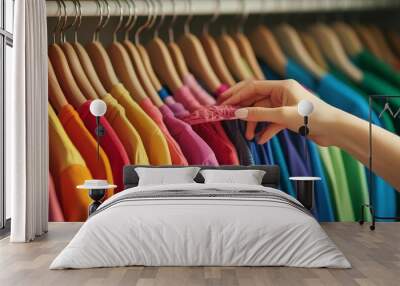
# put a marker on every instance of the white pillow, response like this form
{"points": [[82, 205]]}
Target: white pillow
{"points": [[246, 177], [166, 176]]}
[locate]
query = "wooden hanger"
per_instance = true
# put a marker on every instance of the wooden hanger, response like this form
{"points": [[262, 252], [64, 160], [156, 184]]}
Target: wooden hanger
{"points": [[161, 58], [291, 42], [126, 73], [213, 52], [99, 56], [244, 45], [102, 64], [267, 48], [56, 95], [216, 59], [348, 37], [313, 49], [197, 61], [394, 39], [84, 72], [233, 58], [89, 69], [179, 60], [72, 57], [79, 74], [380, 38], [149, 68], [248, 54], [368, 40], [142, 73], [333, 50], [64, 75], [195, 56]]}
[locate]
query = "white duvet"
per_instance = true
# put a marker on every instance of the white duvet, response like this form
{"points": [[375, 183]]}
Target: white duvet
{"points": [[200, 231]]}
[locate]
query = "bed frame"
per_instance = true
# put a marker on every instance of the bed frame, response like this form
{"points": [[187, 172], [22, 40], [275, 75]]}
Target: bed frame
{"points": [[270, 179]]}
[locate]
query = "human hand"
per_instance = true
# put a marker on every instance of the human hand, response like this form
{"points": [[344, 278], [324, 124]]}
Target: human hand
{"points": [[275, 101]]}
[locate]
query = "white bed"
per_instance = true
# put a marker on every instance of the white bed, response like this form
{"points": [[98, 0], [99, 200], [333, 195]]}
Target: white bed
{"points": [[140, 227]]}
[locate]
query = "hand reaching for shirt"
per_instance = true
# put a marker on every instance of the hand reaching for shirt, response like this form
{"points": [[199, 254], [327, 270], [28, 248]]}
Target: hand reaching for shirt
{"points": [[275, 102]]}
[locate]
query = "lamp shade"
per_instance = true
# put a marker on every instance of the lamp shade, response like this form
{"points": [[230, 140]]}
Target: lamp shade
{"points": [[98, 107], [305, 107]]}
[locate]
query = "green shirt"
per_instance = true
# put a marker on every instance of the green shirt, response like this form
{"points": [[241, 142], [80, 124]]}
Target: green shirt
{"points": [[367, 61], [336, 175]]}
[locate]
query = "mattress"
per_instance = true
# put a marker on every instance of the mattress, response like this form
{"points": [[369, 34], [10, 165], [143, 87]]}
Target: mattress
{"points": [[201, 225]]}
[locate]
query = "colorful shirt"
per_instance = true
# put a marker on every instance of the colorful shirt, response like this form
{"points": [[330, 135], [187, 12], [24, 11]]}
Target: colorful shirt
{"points": [[185, 96], [215, 136], [110, 143], [153, 139], [202, 96], [210, 132], [196, 151], [128, 134], [99, 166], [69, 170], [55, 212], [177, 156]]}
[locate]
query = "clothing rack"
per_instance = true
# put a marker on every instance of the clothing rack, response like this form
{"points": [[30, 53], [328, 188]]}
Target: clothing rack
{"points": [[370, 205], [227, 7]]}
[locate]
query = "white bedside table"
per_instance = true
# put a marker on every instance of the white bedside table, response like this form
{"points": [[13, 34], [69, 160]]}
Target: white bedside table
{"points": [[97, 190]]}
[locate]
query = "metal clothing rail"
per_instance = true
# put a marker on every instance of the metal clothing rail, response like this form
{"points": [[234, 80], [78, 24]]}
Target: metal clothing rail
{"points": [[209, 7], [370, 205]]}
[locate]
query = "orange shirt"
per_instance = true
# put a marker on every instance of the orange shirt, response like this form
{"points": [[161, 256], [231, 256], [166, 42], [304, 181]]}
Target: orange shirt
{"points": [[69, 170], [73, 125], [128, 135]]}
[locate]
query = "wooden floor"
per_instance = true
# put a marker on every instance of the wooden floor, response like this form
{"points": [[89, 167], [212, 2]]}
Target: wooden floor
{"points": [[375, 257]]}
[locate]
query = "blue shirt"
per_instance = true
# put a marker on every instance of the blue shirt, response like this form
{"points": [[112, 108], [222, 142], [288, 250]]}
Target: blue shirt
{"points": [[294, 146]]}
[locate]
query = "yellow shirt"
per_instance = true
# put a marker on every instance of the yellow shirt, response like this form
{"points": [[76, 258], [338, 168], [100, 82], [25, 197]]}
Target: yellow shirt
{"points": [[152, 137], [128, 135], [69, 170]]}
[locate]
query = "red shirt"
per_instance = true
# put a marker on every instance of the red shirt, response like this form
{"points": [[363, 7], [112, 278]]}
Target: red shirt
{"points": [[214, 135], [109, 142]]}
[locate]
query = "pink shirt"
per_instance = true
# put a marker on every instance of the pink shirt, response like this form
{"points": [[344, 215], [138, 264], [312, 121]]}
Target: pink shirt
{"points": [[203, 97], [55, 212], [196, 151], [185, 96], [211, 114], [176, 153]]}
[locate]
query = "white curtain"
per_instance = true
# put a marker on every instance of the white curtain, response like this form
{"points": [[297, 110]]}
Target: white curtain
{"points": [[27, 128]]}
